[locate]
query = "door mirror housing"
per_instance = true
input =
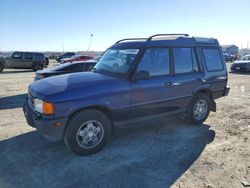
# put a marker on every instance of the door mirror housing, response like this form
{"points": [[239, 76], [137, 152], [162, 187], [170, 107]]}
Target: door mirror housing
{"points": [[142, 75]]}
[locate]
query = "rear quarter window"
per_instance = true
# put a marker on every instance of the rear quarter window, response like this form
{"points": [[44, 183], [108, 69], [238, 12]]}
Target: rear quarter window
{"points": [[28, 56], [212, 59]]}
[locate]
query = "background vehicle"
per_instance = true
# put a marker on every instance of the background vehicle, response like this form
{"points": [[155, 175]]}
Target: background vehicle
{"points": [[228, 57], [157, 76], [66, 55], [24, 60], [245, 58], [76, 58], [66, 69], [242, 65], [47, 61]]}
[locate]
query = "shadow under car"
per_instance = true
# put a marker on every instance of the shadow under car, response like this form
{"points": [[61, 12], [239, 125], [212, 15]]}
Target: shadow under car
{"points": [[151, 154]]}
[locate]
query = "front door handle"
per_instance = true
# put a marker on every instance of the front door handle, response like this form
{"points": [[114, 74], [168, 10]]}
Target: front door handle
{"points": [[176, 84], [167, 84], [201, 80]]}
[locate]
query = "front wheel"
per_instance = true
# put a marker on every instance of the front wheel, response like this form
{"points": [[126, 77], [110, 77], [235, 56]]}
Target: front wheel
{"points": [[198, 109], [87, 132], [1, 68]]}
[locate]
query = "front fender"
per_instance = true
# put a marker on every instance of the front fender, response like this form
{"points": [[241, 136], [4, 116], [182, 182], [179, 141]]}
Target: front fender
{"points": [[66, 109]]}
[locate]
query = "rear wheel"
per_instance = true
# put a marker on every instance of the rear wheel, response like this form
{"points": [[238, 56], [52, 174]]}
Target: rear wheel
{"points": [[198, 109], [38, 67], [87, 132]]}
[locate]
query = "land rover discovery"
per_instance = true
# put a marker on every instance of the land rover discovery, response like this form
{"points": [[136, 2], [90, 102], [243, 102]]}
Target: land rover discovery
{"points": [[135, 78]]}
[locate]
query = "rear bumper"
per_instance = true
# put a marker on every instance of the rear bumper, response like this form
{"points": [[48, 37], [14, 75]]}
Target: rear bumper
{"points": [[226, 91], [45, 126]]}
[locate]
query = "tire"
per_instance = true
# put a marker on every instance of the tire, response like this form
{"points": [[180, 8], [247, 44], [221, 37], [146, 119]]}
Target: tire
{"points": [[38, 67], [87, 132], [198, 109], [46, 61], [1, 67]]}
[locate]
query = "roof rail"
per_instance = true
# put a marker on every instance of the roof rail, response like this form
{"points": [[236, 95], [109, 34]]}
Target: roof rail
{"points": [[205, 40], [176, 34], [130, 39]]}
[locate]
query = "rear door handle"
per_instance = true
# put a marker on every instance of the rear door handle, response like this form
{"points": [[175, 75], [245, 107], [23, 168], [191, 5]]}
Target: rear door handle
{"points": [[168, 84]]}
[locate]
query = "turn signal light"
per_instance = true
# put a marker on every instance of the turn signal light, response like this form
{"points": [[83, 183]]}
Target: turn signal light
{"points": [[48, 108]]}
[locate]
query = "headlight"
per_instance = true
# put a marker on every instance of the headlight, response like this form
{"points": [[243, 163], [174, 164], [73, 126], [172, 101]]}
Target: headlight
{"points": [[38, 105], [43, 107]]}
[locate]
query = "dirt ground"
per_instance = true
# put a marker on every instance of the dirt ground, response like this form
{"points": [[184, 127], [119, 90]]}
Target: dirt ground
{"points": [[162, 153]]}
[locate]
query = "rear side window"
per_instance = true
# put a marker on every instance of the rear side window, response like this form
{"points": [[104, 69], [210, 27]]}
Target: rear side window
{"points": [[155, 61], [212, 59], [185, 60], [28, 56], [39, 57]]}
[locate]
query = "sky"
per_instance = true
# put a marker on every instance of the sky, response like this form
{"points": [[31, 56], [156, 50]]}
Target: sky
{"points": [[57, 25]]}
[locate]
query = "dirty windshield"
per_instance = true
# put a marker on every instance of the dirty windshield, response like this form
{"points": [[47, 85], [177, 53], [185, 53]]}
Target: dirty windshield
{"points": [[116, 61]]}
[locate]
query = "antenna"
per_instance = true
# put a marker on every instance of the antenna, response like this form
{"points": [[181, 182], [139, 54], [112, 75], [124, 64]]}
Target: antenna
{"points": [[91, 36]]}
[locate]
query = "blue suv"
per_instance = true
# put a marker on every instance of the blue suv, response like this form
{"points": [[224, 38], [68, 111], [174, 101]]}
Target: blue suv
{"points": [[135, 78]]}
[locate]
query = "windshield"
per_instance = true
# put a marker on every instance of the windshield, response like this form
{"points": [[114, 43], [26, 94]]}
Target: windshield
{"points": [[246, 57], [116, 61]]}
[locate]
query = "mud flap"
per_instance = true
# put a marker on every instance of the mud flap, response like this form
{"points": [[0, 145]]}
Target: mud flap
{"points": [[213, 106]]}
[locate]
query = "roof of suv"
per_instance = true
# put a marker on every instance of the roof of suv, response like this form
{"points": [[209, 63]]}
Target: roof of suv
{"points": [[166, 40]]}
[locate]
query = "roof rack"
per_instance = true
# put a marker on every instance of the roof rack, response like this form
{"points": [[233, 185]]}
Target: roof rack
{"points": [[158, 35], [150, 38], [130, 39], [204, 40]]}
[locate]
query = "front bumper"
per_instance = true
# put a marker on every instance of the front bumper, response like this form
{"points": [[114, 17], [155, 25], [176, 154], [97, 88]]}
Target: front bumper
{"points": [[44, 126]]}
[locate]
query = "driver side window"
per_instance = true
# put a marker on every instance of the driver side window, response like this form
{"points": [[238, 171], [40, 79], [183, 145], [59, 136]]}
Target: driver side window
{"points": [[155, 61], [17, 55]]}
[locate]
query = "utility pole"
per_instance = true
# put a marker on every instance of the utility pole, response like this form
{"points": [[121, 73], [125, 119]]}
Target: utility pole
{"points": [[247, 44], [91, 36], [63, 47]]}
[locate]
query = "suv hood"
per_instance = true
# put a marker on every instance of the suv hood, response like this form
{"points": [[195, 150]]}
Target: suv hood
{"points": [[72, 86]]}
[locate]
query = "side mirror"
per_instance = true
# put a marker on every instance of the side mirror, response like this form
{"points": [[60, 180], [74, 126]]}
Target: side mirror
{"points": [[142, 75]]}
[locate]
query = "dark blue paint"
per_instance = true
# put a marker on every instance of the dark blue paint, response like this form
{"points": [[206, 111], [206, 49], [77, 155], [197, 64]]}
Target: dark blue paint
{"points": [[124, 97]]}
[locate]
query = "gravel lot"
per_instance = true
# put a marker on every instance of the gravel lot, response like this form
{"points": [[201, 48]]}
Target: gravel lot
{"points": [[162, 153]]}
